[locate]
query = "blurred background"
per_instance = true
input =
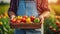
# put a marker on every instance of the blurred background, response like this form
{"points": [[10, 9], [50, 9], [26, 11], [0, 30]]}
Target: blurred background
{"points": [[54, 6]]}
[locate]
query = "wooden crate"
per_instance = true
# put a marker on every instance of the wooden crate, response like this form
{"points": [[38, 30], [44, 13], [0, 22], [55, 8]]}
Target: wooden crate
{"points": [[25, 25]]}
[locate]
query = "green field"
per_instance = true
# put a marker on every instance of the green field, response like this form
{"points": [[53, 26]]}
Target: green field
{"points": [[3, 8]]}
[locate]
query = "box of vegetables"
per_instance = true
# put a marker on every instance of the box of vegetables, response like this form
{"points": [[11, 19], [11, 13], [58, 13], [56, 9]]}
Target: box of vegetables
{"points": [[25, 22]]}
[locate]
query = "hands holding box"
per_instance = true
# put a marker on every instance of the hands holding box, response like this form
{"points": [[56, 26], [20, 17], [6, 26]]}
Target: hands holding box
{"points": [[25, 22]]}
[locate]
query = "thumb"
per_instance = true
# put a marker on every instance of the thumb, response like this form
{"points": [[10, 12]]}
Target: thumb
{"points": [[42, 19], [12, 16]]}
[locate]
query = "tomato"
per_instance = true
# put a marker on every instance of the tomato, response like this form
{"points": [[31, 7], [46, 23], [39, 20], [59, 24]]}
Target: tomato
{"points": [[57, 23], [32, 18], [54, 30], [58, 30], [18, 21], [19, 17], [28, 20], [13, 20], [59, 26], [50, 27], [37, 20], [25, 16], [23, 20]]}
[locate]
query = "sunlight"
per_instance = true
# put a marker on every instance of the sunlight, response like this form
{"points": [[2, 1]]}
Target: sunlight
{"points": [[52, 1]]}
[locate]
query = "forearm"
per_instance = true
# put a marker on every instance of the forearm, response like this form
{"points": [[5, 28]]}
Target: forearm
{"points": [[45, 14], [11, 9], [11, 13]]}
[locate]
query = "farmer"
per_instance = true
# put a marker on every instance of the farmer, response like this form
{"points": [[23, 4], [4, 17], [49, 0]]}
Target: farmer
{"points": [[37, 8]]}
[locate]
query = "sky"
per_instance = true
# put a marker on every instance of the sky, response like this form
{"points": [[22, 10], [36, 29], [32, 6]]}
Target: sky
{"points": [[5, 1], [8, 1]]}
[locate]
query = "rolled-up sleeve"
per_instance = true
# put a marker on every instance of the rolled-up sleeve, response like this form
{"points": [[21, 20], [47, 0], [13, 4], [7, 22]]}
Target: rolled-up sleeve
{"points": [[13, 7], [42, 5]]}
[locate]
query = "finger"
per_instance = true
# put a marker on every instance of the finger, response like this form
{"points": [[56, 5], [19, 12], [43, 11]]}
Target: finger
{"points": [[42, 20]]}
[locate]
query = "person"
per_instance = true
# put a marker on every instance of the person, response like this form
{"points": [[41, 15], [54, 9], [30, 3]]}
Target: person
{"points": [[37, 8]]}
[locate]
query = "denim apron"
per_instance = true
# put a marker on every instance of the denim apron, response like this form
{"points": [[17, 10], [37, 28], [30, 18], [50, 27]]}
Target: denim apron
{"points": [[27, 8]]}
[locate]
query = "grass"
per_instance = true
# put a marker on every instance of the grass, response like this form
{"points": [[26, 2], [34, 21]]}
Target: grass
{"points": [[3, 8]]}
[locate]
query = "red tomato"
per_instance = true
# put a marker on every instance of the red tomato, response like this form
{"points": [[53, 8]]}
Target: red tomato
{"points": [[50, 27], [18, 21], [23, 20], [25, 16], [13, 20], [58, 30], [59, 26], [57, 23], [54, 30], [32, 18]]}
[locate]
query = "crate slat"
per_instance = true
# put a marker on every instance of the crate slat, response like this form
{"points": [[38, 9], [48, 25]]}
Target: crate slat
{"points": [[26, 25]]}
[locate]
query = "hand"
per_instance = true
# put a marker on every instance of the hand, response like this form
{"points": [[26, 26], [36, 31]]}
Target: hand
{"points": [[12, 16], [42, 19]]}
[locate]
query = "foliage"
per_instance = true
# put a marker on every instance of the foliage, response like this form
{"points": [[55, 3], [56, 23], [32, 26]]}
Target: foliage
{"points": [[4, 27]]}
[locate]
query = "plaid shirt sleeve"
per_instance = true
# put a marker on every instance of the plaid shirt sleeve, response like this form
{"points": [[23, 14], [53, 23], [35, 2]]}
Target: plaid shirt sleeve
{"points": [[13, 7], [42, 5]]}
